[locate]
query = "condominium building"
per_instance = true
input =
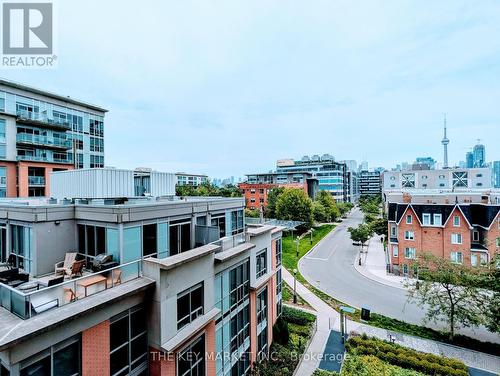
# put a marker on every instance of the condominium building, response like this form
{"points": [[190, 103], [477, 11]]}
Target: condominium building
{"points": [[142, 286], [257, 186], [465, 233], [370, 183], [446, 179], [332, 176], [41, 132], [195, 180], [496, 174]]}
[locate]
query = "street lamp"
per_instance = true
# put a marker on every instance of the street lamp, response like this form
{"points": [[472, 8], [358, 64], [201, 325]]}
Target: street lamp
{"points": [[294, 286], [311, 236], [297, 241]]}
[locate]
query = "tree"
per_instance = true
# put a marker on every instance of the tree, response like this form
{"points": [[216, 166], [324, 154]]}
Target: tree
{"points": [[446, 292], [207, 189], [319, 212], [380, 226], [252, 213], [294, 205], [490, 279], [361, 233], [327, 201], [344, 207], [272, 198]]}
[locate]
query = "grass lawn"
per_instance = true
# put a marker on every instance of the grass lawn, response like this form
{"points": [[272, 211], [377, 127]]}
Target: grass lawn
{"points": [[287, 294]]}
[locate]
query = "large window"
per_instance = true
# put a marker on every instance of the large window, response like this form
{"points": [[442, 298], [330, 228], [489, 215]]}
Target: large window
{"points": [[261, 322], [128, 342], [239, 279], [2, 139], [240, 328], [410, 253], [219, 220], [191, 360], [409, 235], [262, 306], [179, 236], [261, 263], [189, 305], [456, 257], [279, 283], [3, 181], [149, 239], [21, 246], [91, 241], [237, 222], [456, 238], [279, 250], [62, 359]]}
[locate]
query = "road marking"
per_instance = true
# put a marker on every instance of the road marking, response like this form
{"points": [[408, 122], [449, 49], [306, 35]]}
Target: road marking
{"points": [[316, 258]]}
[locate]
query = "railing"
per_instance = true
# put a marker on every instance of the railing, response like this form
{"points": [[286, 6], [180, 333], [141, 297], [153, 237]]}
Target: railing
{"points": [[43, 140], [229, 242], [43, 118], [26, 305], [36, 180], [37, 158]]}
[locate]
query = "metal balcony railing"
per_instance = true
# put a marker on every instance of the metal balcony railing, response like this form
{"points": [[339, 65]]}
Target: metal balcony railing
{"points": [[43, 140], [37, 158], [36, 180]]}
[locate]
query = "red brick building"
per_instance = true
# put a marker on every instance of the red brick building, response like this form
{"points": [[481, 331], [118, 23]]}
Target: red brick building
{"points": [[468, 234], [257, 186]]}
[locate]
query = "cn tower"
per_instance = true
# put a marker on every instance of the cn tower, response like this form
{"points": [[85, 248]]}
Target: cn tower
{"points": [[445, 143]]}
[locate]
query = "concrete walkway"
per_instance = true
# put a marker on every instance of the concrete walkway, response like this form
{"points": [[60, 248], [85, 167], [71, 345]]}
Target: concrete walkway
{"points": [[373, 265], [329, 319]]}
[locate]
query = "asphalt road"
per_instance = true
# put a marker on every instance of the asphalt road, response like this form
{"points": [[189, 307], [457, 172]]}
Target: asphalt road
{"points": [[330, 267]]}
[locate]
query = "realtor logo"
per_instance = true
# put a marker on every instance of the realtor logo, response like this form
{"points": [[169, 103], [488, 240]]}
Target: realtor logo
{"points": [[27, 35], [27, 28]]}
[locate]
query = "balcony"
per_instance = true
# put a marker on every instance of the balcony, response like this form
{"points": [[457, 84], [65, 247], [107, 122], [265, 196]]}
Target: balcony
{"points": [[38, 181], [229, 242], [49, 142], [28, 304], [36, 158], [41, 119]]}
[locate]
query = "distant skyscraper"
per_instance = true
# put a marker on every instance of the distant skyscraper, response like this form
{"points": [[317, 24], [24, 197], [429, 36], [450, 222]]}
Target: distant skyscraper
{"points": [[445, 141], [496, 174], [479, 155], [364, 166], [469, 160], [429, 161]]}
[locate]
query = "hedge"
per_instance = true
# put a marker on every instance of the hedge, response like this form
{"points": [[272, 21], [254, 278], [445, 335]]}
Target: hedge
{"points": [[406, 358], [370, 366], [295, 316]]}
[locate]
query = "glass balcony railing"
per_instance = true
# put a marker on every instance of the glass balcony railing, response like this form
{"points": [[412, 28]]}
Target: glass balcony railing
{"points": [[43, 140], [229, 242], [26, 305], [36, 180], [43, 118], [49, 159]]}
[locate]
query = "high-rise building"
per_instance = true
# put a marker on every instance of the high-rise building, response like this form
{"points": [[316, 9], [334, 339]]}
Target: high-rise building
{"points": [[479, 153], [496, 174], [41, 132], [333, 177], [428, 161], [183, 178], [370, 183], [469, 160]]}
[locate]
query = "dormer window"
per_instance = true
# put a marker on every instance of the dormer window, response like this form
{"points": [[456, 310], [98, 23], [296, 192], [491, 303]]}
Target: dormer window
{"points": [[438, 220], [426, 219], [408, 219], [456, 221]]}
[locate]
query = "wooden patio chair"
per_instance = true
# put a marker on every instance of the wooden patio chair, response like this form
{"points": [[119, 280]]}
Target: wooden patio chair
{"points": [[73, 296], [116, 277], [64, 267], [77, 269]]}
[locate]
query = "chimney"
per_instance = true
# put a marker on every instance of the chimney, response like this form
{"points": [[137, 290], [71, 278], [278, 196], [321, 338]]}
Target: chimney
{"points": [[406, 198]]}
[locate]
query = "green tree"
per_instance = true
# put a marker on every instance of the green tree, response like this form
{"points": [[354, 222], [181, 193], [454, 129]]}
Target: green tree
{"points": [[272, 198], [294, 205], [326, 199], [380, 226], [319, 212], [361, 234], [252, 213], [344, 207], [446, 292]]}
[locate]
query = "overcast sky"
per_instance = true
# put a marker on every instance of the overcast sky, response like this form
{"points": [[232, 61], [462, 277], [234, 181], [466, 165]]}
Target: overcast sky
{"points": [[227, 87]]}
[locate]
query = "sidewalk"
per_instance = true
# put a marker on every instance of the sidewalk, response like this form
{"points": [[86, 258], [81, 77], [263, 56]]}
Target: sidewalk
{"points": [[329, 319], [373, 265]]}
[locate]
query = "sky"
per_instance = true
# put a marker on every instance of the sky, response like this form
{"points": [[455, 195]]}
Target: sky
{"points": [[228, 87]]}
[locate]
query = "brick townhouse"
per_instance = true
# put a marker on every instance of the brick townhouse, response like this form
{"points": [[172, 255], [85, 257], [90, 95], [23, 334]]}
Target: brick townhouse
{"points": [[468, 234]]}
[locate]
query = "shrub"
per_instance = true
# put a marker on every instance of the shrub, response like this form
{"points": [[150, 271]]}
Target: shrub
{"points": [[281, 334], [322, 372], [295, 316], [406, 358]]}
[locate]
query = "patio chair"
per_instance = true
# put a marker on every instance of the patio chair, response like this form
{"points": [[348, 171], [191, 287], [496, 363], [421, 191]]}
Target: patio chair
{"points": [[73, 296], [77, 269], [64, 267], [11, 260], [116, 277]]}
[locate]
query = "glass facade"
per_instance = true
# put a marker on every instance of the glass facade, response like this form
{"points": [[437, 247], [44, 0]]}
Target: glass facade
{"points": [[261, 263], [191, 360], [190, 305], [262, 322], [21, 243]]}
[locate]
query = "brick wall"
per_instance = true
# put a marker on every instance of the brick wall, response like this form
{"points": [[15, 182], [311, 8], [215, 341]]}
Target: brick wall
{"points": [[95, 350]]}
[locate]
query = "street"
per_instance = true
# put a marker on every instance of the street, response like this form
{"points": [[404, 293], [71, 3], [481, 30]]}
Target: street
{"points": [[330, 267]]}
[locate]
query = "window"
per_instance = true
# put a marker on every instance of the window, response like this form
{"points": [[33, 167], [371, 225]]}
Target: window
{"points": [[279, 283], [219, 220], [262, 322], [279, 250], [128, 342], [498, 242], [393, 232], [179, 236], [409, 219], [456, 257], [475, 236], [149, 239], [61, 359], [408, 180], [409, 235], [91, 241], [262, 306], [261, 191], [239, 283], [261, 263], [189, 305], [456, 238], [395, 251], [456, 221], [426, 219], [460, 179], [240, 328], [191, 361], [21, 246], [237, 222], [2, 139], [473, 259], [405, 270], [438, 219], [410, 253]]}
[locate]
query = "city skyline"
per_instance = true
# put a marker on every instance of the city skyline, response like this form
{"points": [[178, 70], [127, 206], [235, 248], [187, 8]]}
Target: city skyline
{"points": [[399, 73]]}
